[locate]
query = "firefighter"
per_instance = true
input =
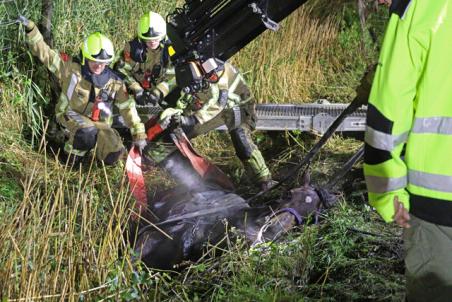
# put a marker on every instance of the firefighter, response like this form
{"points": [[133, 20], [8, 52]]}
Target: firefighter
{"points": [[226, 99], [89, 89], [408, 142], [144, 61]]}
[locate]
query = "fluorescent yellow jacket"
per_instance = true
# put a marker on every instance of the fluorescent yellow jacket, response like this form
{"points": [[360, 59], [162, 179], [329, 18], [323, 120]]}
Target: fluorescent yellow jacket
{"points": [[409, 123]]}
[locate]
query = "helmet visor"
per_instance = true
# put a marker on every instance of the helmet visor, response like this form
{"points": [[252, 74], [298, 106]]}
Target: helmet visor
{"points": [[152, 34], [102, 55]]}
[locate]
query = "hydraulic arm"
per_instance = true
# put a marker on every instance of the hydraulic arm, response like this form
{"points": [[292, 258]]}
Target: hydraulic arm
{"points": [[205, 33]]}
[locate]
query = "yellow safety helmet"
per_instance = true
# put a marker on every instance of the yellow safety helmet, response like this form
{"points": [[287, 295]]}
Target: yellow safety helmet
{"points": [[151, 27], [98, 48]]}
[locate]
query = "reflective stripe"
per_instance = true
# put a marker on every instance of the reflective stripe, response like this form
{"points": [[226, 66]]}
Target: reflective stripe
{"points": [[130, 103], [237, 116], [431, 181], [71, 87], [384, 141], [436, 125], [170, 71], [136, 88], [164, 88], [379, 184], [436, 182], [235, 83], [70, 150], [234, 97], [55, 64], [223, 82], [137, 128], [75, 117]]}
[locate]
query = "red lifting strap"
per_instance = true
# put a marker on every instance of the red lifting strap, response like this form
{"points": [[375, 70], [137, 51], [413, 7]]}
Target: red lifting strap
{"points": [[136, 180], [208, 171]]}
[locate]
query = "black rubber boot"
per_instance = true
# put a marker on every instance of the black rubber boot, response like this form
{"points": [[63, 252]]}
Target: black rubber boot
{"points": [[71, 160]]}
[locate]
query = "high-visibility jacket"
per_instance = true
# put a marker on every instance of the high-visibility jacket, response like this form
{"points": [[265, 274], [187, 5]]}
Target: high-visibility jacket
{"points": [[409, 123], [78, 93]]}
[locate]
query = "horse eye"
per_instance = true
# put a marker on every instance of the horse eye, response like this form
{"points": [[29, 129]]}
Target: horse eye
{"points": [[308, 199]]}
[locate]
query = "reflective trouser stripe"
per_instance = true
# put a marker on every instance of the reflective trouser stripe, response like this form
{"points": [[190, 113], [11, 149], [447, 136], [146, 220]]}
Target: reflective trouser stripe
{"points": [[434, 125], [435, 182], [71, 87], [378, 184], [68, 148], [384, 141]]}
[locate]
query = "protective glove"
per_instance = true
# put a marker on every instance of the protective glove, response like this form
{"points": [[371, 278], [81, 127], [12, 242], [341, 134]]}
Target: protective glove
{"points": [[170, 116], [28, 24], [148, 97], [140, 144], [187, 123]]}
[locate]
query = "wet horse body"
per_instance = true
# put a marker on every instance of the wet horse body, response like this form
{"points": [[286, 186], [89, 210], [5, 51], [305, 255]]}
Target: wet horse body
{"points": [[194, 219]]}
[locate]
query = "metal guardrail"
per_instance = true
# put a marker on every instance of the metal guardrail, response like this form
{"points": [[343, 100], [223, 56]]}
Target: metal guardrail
{"points": [[315, 117], [308, 117]]}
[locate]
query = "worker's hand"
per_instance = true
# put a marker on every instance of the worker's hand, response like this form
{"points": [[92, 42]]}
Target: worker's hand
{"points": [[29, 25], [384, 2], [139, 144], [188, 123], [169, 116], [401, 216]]}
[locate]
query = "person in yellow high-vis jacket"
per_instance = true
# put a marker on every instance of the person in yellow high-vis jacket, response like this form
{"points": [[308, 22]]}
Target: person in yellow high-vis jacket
{"points": [[89, 90], [409, 141]]}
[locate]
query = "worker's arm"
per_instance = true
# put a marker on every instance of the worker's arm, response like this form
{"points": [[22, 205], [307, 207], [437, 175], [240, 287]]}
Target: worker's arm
{"points": [[49, 57], [124, 66], [390, 114], [127, 109]]}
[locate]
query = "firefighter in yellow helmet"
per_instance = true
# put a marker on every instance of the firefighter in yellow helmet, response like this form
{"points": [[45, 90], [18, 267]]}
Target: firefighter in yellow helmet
{"points": [[223, 99], [144, 61], [89, 91]]}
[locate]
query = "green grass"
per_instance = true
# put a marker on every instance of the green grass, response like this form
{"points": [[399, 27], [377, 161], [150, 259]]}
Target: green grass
{"points": [[61, 230]]}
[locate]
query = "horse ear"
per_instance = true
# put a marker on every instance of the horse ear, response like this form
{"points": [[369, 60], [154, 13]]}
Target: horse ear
{"points": [[306, 178]]}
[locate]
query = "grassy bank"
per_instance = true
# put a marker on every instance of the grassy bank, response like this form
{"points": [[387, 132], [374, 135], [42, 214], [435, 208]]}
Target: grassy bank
{"points": [[61, 231]]}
